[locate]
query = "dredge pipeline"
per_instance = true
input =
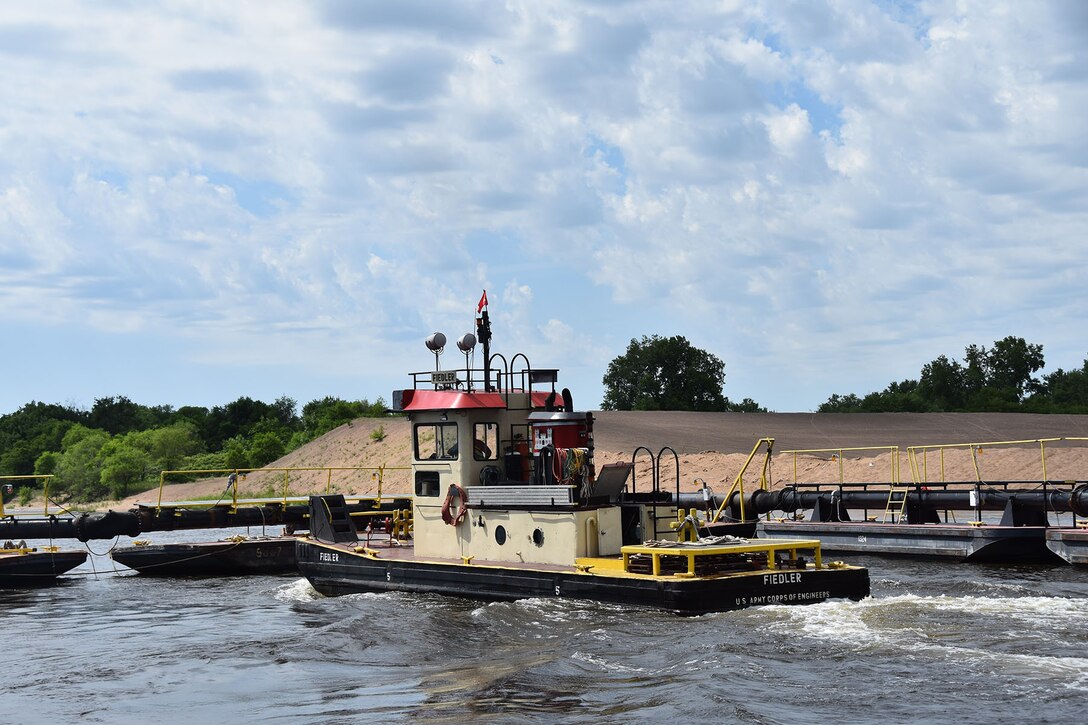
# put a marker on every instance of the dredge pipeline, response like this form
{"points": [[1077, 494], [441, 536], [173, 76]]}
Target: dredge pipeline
{"points": [[88, 526], [922, 502]]}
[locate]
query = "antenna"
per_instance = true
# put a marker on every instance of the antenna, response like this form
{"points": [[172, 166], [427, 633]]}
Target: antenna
{"points": [[436, 343]]}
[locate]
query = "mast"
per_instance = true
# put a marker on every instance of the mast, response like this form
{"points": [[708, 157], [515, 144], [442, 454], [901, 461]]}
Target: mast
{"points": [[483, 334]]}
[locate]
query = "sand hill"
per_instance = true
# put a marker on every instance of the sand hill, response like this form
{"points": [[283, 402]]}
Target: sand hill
{"points": [[711, 447]]}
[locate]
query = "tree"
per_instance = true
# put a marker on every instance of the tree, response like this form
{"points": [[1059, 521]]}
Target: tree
{"points": [[115, 415], [1064, 391], [745, 406], [321, 416], [1011, 364], [943, 384], [850, 403], [171, 444], [123, 465], [664, 373], [996, 379], [32, 430], [79, 466], [264, 448], [235, 454]]}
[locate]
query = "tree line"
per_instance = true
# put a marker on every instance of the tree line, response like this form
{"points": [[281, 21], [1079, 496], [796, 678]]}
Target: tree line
{"points": [[1001, 378], [120, 447]]}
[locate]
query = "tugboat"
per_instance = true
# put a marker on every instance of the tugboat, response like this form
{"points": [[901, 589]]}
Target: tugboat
{"points": [[508, 504]]}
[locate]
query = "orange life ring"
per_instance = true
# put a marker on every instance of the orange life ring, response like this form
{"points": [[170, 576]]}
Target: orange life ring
{"points": [[447, 506]]}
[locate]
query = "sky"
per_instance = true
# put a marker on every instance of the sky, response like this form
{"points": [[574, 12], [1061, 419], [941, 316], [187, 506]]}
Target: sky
{"points": [[201, 201]]}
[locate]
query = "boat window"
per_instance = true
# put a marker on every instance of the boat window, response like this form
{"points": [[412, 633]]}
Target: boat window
{"points": [[485, 441], [436, 441]]}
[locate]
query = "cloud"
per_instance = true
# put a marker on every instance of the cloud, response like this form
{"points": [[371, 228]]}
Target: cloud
{"points": [[825, 190]]}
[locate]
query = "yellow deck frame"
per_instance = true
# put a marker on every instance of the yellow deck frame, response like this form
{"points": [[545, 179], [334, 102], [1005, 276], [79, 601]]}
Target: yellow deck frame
{"points": [[691, 553]]}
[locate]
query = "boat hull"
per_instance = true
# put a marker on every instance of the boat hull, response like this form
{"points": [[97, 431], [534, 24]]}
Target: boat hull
{"points": [[37, 568], [961, 542], [335, 570], [1069, 544], [274, 555]]}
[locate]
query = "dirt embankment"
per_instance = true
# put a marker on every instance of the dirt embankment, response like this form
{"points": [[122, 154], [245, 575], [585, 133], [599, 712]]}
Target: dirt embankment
{"points": [[710, 447]]}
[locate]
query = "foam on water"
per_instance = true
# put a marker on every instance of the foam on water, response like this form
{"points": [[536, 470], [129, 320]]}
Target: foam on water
{"points": [[298, 591], [978, 641]]}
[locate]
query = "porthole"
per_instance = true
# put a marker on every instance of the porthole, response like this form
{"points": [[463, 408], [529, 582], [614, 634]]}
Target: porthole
{"points": [[538, 537], [500, 535]]}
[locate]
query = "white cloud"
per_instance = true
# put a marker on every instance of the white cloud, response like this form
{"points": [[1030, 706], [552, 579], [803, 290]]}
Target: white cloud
{"points": [[825, 187]]}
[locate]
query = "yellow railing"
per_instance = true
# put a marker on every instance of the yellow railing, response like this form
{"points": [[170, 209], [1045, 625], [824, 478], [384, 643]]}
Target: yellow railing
{"points": [[894, 450], [378, 474], [920, 472], [738, 482], [45, 511]]}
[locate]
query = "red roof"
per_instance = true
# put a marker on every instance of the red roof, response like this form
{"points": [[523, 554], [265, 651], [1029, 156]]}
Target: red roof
{"points": [[414, 400]]}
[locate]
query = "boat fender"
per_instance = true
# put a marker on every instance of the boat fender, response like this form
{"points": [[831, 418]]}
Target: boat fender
{"points": [[448, 515]]}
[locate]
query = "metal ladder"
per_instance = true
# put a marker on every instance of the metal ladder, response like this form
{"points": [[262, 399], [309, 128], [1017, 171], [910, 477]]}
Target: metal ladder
{"points": [[897, 504]]}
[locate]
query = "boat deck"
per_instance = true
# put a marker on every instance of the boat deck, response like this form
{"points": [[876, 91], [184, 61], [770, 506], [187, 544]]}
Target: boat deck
{"points": [[613, 566]]}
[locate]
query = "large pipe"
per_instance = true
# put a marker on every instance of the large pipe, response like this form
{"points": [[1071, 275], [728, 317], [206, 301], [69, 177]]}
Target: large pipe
{"points": [[88, 526], [791, 499]]}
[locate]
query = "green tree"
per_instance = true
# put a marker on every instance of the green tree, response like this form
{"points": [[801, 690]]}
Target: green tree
{"points": [[995, 379], [169, 445], [123, 465], [235, 453], [321, 416], [115, 415], [664, 373], [1011, 363], [1063, 391], [78, 471], [46, 463], [943, 384], [850, 403], [264, 448], [32, 430], [745, 406]]}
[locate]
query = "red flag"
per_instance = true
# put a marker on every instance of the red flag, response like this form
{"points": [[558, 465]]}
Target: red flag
{"points": [[483, 302]]}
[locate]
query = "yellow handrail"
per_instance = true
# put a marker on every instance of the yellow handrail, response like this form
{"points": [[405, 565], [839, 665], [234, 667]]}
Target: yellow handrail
{"points": [[738, 482], [894, 450], [922, 476], [47, 477], [379, 473]]}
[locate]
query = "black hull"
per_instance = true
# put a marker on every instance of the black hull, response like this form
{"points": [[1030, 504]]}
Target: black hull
{"points": [[211, 558], [335, 572], [38, 568], [961, 542], [1070, 544]]}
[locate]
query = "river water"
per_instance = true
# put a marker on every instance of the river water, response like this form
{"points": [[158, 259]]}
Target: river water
{"points": [[937, 642]]}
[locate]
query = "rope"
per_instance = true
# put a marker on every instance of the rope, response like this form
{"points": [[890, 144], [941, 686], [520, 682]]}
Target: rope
{"points": [[569, 464]]}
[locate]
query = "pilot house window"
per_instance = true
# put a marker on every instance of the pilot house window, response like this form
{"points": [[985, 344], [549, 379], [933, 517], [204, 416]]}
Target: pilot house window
{"points": [[485, 441], [436, 441]]}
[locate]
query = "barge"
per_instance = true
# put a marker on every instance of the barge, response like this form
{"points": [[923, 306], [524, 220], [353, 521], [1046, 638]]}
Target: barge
{"points": [[1001, 521], [234, 556], [23, 566], [508, 504]]}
